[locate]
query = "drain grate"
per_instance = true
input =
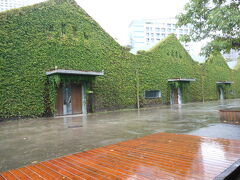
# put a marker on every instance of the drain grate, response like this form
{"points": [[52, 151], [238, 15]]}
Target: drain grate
{"points": [[75, 126]]}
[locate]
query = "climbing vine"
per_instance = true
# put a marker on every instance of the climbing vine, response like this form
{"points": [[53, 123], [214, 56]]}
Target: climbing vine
{"points": [[58, 33]]}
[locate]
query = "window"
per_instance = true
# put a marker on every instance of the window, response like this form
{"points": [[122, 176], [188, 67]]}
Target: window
{"points": [[157, 29], [163, 29], [180, 30], [169, 30], [158, 34], [147, 34], [168, 25], [152, 94], [152, 35], [147, 39]]}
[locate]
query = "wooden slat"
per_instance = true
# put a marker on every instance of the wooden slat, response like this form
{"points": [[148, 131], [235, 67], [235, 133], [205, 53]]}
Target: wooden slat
{"points": [[30, 173], [19, 174], [156, 156]]}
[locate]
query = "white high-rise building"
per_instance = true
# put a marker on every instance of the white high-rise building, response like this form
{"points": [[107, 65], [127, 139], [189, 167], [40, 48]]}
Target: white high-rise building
{"points": [[146, 33], [10, 4]]}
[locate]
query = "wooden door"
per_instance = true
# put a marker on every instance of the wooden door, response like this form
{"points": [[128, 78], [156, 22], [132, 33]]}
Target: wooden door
{"points": [[59, 101], [175, 96], [76, 98]]}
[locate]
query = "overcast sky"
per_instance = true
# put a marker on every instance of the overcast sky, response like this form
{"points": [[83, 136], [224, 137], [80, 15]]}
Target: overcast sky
{"points": [[115, 15]]}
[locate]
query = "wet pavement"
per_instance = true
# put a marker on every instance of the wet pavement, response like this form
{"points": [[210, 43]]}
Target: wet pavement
{"points": [[27, 141]]}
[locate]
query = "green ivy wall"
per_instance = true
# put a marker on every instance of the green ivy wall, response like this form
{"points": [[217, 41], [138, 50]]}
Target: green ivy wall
{"points": [[168, 60], [58, 33]]}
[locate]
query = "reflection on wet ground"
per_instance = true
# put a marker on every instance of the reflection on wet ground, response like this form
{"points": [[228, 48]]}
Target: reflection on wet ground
{"points": [[32, 140]]}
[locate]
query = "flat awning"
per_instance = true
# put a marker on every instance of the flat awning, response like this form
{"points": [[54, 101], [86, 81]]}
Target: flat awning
{"points": [[181, 80], [74, 72], [224, 82]]}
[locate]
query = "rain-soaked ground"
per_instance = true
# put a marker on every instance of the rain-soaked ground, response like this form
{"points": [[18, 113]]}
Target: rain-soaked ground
{"points": [[28, 141]]}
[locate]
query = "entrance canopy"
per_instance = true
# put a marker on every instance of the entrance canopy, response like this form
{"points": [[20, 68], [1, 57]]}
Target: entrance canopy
{"points": [[181, 80], [224, 82], [74, 72]]}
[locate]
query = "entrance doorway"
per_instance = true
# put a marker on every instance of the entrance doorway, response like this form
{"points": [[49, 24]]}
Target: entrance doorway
{"points": [[176, 96], [69, 99], [221, 92]]}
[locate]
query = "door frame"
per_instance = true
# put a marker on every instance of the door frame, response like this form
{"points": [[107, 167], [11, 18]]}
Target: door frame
{"points": [[60, 99]]}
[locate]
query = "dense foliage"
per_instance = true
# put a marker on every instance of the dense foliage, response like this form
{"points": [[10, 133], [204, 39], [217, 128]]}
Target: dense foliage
{"points": [[217, 20], [58, 33], [169, 60]]}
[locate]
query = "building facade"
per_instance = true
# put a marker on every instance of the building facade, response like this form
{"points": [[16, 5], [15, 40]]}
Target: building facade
{"points": [[145, 33], [67, 64]]}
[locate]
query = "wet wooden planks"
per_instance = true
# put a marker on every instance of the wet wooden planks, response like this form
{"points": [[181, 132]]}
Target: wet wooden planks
{"points": [[156, 156]]}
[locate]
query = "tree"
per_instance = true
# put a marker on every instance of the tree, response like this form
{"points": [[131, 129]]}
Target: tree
{"points": [[218, 20]]}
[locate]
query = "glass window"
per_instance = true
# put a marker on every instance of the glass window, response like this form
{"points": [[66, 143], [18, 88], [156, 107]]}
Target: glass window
{"points": [[168, 25], [169, 30], [157, 29], [152, 94], [163, 29]]}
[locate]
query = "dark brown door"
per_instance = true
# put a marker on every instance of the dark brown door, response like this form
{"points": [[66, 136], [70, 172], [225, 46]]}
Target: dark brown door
{"points": [[76, 98], [175, 96], [59, 103]]}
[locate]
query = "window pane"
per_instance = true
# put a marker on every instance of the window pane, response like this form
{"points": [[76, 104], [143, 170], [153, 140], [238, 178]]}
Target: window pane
{"points": [[152, 94]]}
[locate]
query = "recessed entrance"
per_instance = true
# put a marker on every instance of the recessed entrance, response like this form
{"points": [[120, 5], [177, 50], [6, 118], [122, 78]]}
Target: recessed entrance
{"points": [[71, 90], [221, 92], [221, 86], [176, 86], [69, 99], [176, 97]]}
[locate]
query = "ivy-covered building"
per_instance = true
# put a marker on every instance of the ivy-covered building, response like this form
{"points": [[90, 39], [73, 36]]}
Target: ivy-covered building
{"points": [[56, 60]]}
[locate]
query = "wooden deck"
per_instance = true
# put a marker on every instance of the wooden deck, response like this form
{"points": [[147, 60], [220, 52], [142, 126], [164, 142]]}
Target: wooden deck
{"points": [[156, 156]]}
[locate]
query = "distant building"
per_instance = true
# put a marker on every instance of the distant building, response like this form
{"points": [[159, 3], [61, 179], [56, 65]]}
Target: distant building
{"points": [[10, 4], [145, 33]]}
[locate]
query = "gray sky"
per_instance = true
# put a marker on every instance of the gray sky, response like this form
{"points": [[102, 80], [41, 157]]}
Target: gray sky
{"points": [[115, 15]]}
